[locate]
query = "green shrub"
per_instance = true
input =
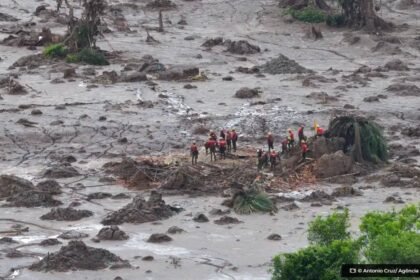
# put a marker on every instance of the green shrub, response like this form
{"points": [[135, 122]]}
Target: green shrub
{"points": [[323, 231], [251, 201], [316, 262], [89, 56], [55, 50], [336, 20], [309, 14]]}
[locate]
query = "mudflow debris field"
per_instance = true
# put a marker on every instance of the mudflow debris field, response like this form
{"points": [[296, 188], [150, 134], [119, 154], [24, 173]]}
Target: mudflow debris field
{"points": [[100, 102]]}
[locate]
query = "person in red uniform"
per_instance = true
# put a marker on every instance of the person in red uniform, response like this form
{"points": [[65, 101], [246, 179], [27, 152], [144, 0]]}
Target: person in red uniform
{"points": [[213, 135], [194, 153], [304, 148], [211, 143], [222, 148], [301, 135], [270, 141], [234, 137], [319, 131], [229, 141], [291, 139], [284, 146]]}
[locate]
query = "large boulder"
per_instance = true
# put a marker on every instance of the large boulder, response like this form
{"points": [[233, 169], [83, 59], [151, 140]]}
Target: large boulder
{"points": [[322, 146], [330, 165]]}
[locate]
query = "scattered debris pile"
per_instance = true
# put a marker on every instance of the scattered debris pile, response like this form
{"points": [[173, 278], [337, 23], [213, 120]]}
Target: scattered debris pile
{"points": [[77, 256], [241, 47], [283, 65], [141, 211], [19, 192], [66, 214]]}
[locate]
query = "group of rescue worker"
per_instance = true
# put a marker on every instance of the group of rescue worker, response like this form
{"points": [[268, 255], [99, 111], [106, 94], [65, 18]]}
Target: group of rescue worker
{"points": [[228, 140], [226, 143]]}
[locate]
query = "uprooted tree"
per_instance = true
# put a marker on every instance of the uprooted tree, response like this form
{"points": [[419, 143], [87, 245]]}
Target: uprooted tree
{"points": [[356, 13]]}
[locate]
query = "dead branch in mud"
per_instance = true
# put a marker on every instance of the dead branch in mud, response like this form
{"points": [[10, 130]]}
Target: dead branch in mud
{"points": [[15, 232]]}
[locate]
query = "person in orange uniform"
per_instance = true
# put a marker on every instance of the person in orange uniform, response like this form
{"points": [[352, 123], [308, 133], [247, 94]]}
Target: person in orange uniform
{"points": [[194, 153], [319, 131], [290, 138], [304, 148], [284, 145], [222, 148], [211, 144], [273, 159], [270, 141], [234, 137]]}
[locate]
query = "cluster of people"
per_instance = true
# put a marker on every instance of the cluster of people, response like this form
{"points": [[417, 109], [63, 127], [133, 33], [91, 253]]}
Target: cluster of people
{"points": [[226, 143]]}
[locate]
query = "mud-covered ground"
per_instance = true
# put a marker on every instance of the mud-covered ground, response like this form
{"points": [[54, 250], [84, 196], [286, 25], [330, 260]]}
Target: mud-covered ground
{"points": [[86, 123]]}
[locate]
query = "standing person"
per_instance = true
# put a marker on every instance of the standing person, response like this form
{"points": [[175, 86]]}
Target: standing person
{"points": [[273, 158], [301, 135], [261, 159], [229, 141], [319, 131], [234, 136], [291, 138], [194, 153], [304, 148], [222, 148], [223, 134], [212, 147], [270, 141], [284, 145]]}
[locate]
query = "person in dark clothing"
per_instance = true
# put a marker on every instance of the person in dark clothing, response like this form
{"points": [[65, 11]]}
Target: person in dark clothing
{"points": [[194, 153], [213, 135], [223, 134], [284, 146], [301, 135], [222, 148], [270, 141], [234, 136], [273, 159], [260, 159]]}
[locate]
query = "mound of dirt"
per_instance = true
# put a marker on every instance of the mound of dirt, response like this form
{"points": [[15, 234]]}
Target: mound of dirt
{"points": [[159, 238], [98, 195], [411, 131], [330, 165], [175, 230], [13, 87], [346, 191], [32, 198], [57, 172], [402, 89], [6, 17], [141, 211], [242, 47], [283, 65], [318, 196], [77, 256], [49, 186], [31, 61], [161, 5], [184, 180], [386, 48], [247, 93], [396, 65], [179, 73], [209, 43], [49, 242], [322, 146], [10, 185], [226, 220], [66, 214], [112, 233]]}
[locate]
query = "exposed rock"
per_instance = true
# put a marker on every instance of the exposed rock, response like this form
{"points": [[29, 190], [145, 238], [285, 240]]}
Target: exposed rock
{"points": [[386, 48], [219, 212], [159, 238], [242, 47], [394, 199], [141, 211], [226, 220], [161, 4], [290, 207], [391, 180], [179, 73], [69, 73], [346, 191], [396, 65], [200, 218], [6, 17], [98, 195], [49, 242], [10, 185], [189, 86], [14, 254], [371, 99], [36, 112], [77, 256], [148, 258], [274, 237], [133, 77], [247, 93], [32, 198], [60, 172], [112, 233], [246, 70], [175, 230], [322, 146], [404, 89], [66, 214], [411, 131], [330, 165], [283, 65], [73, 234], [7, 240], [227, 78]]}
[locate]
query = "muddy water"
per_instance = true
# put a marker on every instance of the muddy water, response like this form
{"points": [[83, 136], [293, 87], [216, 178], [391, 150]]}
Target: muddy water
{"points": [[205, 251]]}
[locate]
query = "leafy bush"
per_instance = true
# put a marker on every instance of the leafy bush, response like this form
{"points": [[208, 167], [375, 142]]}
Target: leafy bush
{"points": [[89, 56], [324, 231], [309, 14], [316, 262], [389, 237], [55, 50], [336, 20], [247, 202]]}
